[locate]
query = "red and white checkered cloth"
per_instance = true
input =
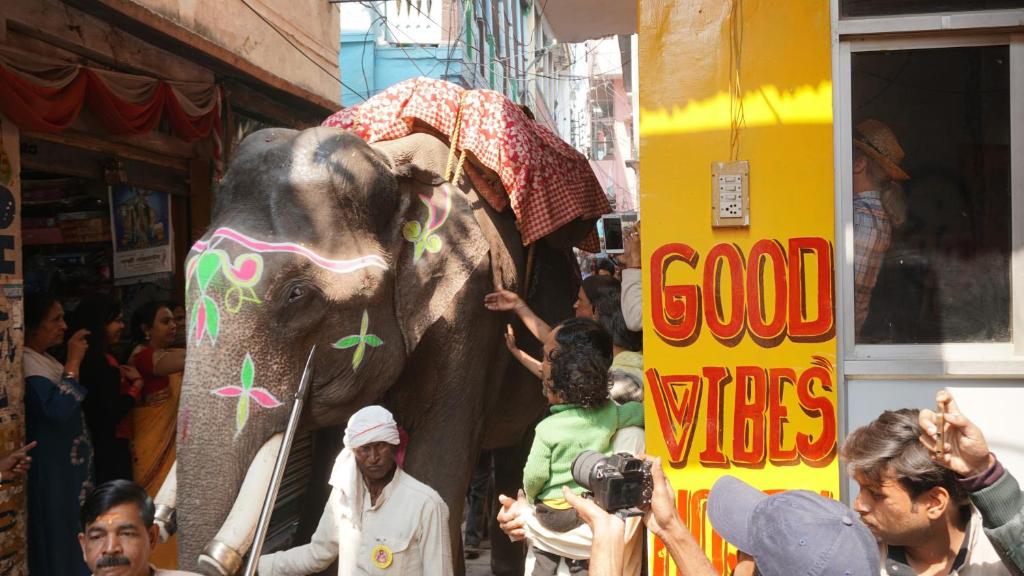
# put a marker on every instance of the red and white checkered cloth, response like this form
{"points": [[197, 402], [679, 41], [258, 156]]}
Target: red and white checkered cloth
{"points": [[548, 182]]}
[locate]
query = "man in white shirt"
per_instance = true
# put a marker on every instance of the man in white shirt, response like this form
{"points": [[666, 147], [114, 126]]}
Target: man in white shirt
{"points": [[378, 520]]}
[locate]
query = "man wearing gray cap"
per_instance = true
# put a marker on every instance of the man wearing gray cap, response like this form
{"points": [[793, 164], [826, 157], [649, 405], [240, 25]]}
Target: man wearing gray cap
{"points": [[784, 534], [792, 532]]}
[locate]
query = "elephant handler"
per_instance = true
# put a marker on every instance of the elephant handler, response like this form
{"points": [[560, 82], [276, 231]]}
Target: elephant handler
{"points": [[378, 520]]}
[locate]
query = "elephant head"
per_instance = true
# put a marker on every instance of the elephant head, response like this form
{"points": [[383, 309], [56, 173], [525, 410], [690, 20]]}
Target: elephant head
{"points": [[316, 238]]}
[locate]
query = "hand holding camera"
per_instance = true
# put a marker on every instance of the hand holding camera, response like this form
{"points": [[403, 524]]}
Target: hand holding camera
{"points": [[619, 484]]}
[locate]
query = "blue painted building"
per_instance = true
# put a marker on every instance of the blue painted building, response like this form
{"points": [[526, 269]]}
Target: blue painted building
{"points": [[504, 45]]}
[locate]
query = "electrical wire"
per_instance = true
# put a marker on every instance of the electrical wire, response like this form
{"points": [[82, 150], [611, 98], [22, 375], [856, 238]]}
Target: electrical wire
{"points": [[737, 119], [297, 48]]}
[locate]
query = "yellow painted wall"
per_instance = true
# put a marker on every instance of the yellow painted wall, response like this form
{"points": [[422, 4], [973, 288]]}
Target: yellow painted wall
{"points": [[784, 79]]}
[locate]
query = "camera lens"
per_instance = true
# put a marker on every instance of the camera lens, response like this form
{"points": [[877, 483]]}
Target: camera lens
{"points": [[583, 467]]}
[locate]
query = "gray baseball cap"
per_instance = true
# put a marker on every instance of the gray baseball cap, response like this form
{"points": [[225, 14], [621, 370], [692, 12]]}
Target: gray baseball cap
{"points": [[792, 533]]}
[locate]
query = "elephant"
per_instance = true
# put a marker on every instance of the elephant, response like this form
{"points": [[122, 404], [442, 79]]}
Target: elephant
{"points": [[317, 237]]}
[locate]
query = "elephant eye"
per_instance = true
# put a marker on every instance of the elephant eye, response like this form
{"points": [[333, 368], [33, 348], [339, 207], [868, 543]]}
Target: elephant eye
{"points": [[296, 293]]}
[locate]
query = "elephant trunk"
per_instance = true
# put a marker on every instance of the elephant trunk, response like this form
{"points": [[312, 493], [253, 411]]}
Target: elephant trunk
{"points": [[219, 471]]}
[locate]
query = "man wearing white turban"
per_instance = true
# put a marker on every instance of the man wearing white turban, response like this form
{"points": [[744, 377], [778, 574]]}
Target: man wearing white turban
{"points": [[378, 520]]}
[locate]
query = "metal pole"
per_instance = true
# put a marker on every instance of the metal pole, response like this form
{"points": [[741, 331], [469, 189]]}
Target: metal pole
{"points": [[275, 480]]}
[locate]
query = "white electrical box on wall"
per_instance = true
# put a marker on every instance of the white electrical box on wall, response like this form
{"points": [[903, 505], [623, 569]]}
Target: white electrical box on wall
{"points": [[730, 194]]}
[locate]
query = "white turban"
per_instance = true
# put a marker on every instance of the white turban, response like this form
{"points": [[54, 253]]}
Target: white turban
{"points": [[371, 424]]}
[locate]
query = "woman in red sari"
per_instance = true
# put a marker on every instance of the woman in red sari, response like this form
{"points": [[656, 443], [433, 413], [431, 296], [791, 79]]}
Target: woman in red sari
{"points": [[156, 415]]}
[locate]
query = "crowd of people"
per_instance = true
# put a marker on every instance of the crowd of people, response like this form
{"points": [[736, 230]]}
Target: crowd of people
{"points": [[933, 499], [93, 417]]}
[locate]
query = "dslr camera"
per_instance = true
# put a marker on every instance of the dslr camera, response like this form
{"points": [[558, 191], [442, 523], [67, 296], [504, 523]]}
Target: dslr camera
{"points": [[619, 483]]}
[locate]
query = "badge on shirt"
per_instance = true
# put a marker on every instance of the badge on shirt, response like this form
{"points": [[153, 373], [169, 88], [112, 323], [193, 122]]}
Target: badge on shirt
{"points": [[382, 556]]}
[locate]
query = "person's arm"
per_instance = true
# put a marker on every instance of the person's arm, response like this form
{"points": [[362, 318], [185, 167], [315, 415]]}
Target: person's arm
{"points": [[504, 300], [17, 462], [632, 291], [538, 467], [531, 363], [662, 519], [435, 541], [311, 558], [56, 401], [168, 361], [869, 246], [630, 414], [993, 490], [608, 551]]}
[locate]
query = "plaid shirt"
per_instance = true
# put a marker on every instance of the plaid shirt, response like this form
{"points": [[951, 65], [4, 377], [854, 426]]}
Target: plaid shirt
{"points": [[872, 234]]}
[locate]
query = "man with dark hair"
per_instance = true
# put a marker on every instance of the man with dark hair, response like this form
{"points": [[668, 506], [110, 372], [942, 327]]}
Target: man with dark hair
{"points": [[118, 531], [949, 509]]}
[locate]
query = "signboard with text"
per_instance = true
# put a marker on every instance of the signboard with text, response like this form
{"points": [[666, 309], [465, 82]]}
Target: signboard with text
{"points": [[739, 322]]}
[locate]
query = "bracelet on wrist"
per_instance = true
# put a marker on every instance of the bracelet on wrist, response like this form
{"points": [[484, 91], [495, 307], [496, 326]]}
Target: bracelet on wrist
{"points": [[69, 375]]}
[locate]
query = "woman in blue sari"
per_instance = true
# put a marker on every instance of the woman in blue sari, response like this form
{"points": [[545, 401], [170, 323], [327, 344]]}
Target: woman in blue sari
{"points": [[62, 465]]}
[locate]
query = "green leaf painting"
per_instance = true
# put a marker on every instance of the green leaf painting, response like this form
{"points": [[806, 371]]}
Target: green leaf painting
{"points": [[359, 341]]}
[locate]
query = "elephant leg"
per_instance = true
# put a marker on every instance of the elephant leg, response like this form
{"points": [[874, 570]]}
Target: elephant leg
{"points": [[507, 557], [448, 471]]}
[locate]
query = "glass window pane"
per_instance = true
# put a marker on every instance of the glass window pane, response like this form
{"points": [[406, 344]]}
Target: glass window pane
{"points": [[854, 8], [932, 252]]}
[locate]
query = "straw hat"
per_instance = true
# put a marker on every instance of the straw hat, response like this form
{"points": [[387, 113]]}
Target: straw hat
{"points": [[876, 140]]}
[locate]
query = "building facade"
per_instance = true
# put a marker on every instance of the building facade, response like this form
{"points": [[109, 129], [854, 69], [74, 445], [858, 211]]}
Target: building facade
{"points": [[144, 96]]}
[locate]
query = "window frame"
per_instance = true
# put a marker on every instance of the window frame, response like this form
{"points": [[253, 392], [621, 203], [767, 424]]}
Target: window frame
{"points": [[962, 29]]}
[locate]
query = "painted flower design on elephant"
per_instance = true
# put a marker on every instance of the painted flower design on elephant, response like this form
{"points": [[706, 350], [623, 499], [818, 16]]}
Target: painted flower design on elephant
{"points": [[360, 341], [243, 274], [423, 235], [245, 393]]}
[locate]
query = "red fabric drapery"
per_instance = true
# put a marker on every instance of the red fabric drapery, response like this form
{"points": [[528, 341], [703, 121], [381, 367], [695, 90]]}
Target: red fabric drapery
{"points": [[46, 95], [547, 183]]}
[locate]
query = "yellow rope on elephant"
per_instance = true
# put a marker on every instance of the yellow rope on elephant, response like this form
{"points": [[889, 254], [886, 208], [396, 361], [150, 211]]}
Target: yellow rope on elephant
{"points": [[458, 169], [451, 172]]}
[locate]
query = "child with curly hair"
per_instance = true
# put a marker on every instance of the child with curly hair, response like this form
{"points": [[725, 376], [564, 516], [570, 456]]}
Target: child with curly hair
{"points": [[575, 377]]}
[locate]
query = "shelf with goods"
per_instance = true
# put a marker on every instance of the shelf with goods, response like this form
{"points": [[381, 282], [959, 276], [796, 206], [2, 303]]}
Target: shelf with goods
{"points": [[66, 235]]}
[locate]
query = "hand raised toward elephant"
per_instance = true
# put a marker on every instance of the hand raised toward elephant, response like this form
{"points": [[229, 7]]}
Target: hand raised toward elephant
{"points": [[510, 341], [503, 300]]}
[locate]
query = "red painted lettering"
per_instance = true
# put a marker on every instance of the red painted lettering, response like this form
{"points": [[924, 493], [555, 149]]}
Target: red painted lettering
{"points": [[675, 309], [766, 253], [818, 450], [778, 379], [712, 456], [810, 322], [727, 328], [748, 416]]}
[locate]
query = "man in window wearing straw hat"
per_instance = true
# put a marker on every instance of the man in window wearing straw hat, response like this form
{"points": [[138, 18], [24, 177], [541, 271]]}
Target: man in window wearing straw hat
{"points": [[378, 520], [876, 165]]}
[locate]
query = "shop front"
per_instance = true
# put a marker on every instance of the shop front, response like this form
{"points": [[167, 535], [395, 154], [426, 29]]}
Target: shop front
{"points": [[116, 121], [778, 316]]}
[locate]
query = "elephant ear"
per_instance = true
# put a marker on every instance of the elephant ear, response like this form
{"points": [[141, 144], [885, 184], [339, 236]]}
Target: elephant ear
{"points": [[440, 249]]}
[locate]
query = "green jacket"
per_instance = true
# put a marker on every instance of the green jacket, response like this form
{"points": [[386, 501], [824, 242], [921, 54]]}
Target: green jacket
{"points": [[569, 430], [1002, 510]]}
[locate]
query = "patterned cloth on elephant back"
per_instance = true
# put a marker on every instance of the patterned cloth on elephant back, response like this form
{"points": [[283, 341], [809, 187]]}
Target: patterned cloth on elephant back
{"points": [[548, 182]]}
